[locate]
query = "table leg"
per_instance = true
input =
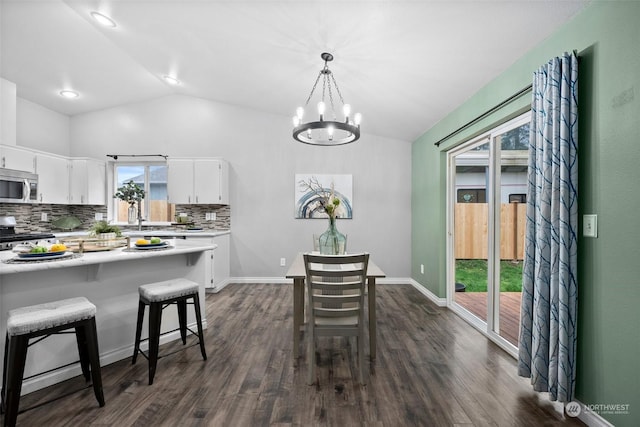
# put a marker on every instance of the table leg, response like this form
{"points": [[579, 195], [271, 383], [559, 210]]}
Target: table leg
{"points": [[371, 288], [298, 316]]}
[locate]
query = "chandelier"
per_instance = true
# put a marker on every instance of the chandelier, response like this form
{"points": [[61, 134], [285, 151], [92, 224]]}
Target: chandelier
{"points": [[327, 131]]}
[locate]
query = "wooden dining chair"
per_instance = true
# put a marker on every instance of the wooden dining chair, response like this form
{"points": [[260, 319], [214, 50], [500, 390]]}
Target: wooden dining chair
{"points": [[335, 289]]}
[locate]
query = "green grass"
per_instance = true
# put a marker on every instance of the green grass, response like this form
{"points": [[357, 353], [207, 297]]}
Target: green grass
{"points": [[473, 274]]}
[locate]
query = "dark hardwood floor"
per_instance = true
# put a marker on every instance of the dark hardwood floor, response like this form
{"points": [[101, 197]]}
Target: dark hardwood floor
{"points": [[432, 370]]}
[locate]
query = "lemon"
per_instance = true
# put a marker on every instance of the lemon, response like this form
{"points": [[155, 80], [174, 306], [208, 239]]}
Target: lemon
{"points": [[142, 242], [57, 247]]}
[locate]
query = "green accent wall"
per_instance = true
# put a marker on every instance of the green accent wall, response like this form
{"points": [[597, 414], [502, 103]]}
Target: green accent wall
{"points": [[606, 36]]}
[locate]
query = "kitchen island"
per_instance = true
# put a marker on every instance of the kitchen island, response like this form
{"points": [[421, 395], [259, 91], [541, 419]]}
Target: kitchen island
{"points": [[219, 237], [109, 280]]}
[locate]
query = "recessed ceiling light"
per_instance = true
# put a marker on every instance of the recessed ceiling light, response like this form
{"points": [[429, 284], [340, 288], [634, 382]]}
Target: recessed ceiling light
{"points": [[103, 19], [171, 80], [69, 94]]}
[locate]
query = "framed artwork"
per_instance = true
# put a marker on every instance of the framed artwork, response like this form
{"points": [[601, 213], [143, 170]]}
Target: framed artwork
{"points": [[312, 191]]}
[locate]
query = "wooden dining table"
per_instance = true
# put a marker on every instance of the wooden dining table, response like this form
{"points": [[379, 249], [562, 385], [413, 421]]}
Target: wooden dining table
{"points": [[298, 274]]}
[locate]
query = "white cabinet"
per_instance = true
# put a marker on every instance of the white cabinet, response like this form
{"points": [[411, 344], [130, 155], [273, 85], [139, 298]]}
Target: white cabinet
{"points": [[217, 262], [12, 157], [180, 181], [53, 178], [221, 262], [88, 182], [198, 181]]}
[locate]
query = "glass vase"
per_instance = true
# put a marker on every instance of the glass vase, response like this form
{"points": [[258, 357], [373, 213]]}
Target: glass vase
{"points": [[332, 242], [132, 215]]}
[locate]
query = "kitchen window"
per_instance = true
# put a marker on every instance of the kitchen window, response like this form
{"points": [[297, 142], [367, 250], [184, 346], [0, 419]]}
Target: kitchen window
{"points": [[153, 178]]}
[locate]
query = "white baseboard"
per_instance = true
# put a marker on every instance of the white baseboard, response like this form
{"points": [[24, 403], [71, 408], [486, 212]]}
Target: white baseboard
{"points": [[440, 302], [591, 418]]}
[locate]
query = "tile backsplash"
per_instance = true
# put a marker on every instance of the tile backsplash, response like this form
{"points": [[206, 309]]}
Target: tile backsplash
{"points": [[29, 216]]}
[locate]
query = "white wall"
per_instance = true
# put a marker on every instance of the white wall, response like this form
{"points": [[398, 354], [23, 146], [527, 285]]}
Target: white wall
{"points": [[7, 112], [42, 129], [263, 161]]}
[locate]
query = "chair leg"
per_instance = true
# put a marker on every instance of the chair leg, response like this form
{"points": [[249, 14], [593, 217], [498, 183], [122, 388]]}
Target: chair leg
{"points": [[136, 347], [91, 335], [360, 339], [4, 374], [155, 319], [182, 318], [81, 339], [16, 362], [196, 305], [311, 356]]}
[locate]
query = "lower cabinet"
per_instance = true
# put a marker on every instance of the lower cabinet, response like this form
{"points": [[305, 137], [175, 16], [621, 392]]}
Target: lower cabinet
{"points": [[219, 262]]}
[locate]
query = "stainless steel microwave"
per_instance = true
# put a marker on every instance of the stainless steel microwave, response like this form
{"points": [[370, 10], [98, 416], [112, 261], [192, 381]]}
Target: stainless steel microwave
{"points": [[18, 186]]}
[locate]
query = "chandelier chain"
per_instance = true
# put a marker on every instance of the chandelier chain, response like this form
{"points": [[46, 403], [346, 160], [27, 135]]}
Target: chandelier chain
{"points": [[313, 89], [333, 108], [337, 88]]}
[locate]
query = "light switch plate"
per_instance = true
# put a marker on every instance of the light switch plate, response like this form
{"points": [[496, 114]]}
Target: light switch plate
{"points": [[590, 225]]}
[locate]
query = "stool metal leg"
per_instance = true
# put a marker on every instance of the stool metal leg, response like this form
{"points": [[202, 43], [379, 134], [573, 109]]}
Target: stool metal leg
{"points": [[136, 347], [196, 305], [81, 339], [91, 335], [181, 304], [155, 319], [4, 375], [16, 362]]}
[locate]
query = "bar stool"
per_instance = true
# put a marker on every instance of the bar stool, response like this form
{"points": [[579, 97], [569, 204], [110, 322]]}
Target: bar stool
{"points": [[41, 321], [158, 296]]}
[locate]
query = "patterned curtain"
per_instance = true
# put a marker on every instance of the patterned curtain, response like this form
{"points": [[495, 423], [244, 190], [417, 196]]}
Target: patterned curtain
{"points": [[548, 315]]}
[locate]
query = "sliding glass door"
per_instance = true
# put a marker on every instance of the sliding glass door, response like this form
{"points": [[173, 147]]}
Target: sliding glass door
{"points": [[487, 181]]}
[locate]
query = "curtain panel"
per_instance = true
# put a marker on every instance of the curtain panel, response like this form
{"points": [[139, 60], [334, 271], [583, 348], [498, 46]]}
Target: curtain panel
{"points": [[548, 324]]}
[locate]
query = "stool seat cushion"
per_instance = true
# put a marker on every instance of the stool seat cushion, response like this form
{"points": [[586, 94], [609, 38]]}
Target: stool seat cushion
{"points": [[35, 318], [161, 291]]}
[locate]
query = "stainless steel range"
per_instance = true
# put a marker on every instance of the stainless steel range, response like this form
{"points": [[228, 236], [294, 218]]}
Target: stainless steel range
{"points": [[9, 238]]}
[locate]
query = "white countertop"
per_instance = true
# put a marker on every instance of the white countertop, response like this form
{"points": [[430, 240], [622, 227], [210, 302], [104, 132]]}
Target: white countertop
{"points": [[156, 233], [176, 247]]}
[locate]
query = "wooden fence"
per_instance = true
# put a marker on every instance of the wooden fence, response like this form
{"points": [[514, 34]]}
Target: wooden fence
{"points": [[160, 211], [471, 230]]}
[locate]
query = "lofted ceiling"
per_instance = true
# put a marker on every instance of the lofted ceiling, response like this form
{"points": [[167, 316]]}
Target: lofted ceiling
{"points": [[403, 64]]}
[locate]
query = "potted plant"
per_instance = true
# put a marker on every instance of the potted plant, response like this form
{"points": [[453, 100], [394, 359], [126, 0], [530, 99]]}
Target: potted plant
{"points": [[131, 193], [105, 231]]}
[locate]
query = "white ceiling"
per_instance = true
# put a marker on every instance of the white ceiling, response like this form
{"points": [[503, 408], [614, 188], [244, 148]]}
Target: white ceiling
{"points": [[403, 64]]}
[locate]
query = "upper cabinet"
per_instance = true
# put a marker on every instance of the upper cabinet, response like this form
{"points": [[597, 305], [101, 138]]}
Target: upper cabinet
{"points": [[12, 157], [61, 180], [87, 182], [53, 178], [203, 181]]}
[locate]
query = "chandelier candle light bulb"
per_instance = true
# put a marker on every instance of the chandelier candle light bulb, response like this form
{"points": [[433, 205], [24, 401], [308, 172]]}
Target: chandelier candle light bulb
{"points": [[327, 132]]}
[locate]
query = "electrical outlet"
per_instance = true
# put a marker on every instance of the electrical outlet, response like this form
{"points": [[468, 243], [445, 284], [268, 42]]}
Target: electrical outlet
{"points": [[212, 216], [283, 262], [44, 216], [590, 225], [98, 216]]}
